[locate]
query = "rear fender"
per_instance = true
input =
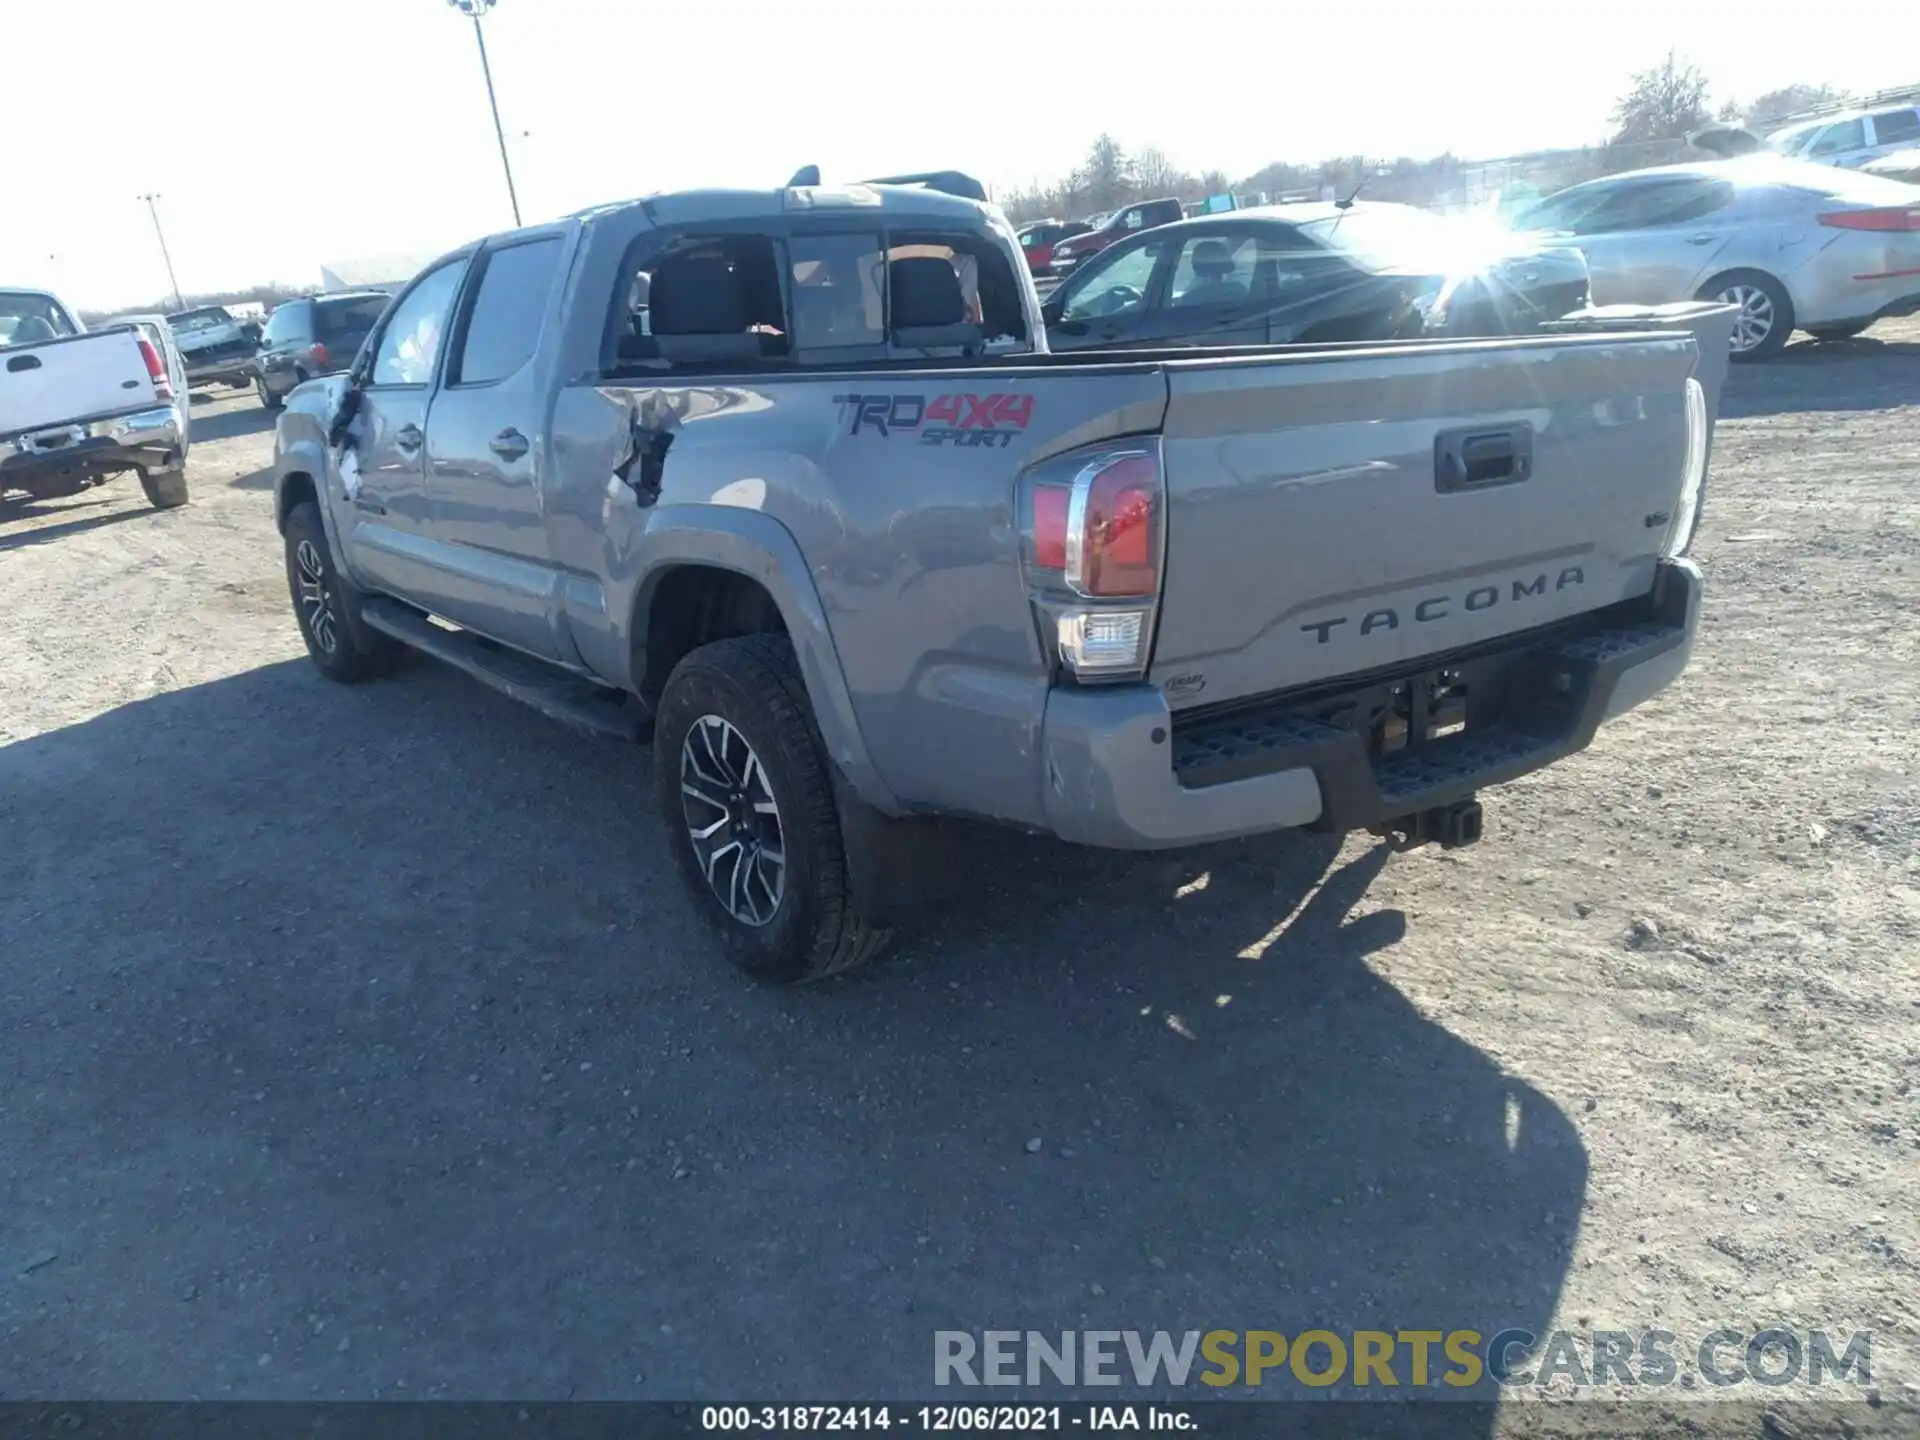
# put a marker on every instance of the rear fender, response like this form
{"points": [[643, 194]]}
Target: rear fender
{"points": [[753, 544]]}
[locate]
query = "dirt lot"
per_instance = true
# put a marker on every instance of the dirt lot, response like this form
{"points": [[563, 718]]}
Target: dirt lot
{"points": [[359, 1042]]}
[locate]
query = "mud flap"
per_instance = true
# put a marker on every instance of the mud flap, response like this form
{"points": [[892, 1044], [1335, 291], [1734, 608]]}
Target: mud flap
{"points": [[895, 866]]}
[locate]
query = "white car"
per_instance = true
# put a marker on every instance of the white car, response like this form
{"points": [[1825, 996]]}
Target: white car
{"points": [[1796, 246], [1852, 137]]}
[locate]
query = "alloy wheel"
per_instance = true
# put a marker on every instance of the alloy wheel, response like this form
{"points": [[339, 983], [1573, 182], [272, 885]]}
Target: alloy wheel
{"points": [[316, 596], [1756, 319], [733, 821]]}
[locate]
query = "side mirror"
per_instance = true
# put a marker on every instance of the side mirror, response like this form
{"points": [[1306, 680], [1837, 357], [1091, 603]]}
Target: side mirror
{"points": [[1052, 308]]}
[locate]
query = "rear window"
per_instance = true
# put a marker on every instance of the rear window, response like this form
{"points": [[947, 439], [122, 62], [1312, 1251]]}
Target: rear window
{"points": [[818, 299], [26, 318], [193, 321], [354, 316]]}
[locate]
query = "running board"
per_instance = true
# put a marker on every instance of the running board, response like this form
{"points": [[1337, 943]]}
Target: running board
{"points": [[552, 691]]}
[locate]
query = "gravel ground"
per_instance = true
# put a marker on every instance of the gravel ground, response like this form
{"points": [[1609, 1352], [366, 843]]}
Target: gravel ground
{"points": [[360, 1043]]}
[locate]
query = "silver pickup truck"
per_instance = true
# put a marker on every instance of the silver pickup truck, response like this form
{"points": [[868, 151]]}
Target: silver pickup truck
{"points": [[787, 482]]}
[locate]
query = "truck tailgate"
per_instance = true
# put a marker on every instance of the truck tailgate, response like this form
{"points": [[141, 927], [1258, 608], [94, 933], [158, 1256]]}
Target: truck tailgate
{"points": [[77, 377], [1332, 514]]}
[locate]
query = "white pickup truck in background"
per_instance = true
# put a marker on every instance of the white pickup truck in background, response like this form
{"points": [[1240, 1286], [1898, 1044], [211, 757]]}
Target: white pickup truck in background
{"points": [[78, 407]]}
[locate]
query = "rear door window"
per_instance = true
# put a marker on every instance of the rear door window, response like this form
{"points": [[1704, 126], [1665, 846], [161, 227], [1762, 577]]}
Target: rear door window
{"points": [[1896, 127], [507, 311]]}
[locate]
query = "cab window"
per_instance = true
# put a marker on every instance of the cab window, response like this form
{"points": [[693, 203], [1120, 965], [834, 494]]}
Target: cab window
{"points": [[411, 340]]}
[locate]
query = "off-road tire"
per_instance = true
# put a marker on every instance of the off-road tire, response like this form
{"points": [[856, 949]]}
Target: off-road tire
{"points": [[753, 683], [166, 490], [357, 651], [1838, 332]]}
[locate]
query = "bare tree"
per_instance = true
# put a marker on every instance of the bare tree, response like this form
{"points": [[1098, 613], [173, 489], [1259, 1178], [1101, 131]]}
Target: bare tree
{"points": [[1107, 176], [1156, 175], [1774, 106], [1664, 103], [1214, 182]]}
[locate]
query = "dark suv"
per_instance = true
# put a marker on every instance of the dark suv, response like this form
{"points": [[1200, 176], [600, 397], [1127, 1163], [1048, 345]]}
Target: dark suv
{"points": [[315, 336]]}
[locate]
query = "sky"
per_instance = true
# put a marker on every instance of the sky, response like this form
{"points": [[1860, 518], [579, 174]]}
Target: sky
{"points": [[281, 135]]}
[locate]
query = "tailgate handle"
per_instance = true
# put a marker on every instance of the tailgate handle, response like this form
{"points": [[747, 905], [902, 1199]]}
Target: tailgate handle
{"points": [[18, 363], [1475, 458]]}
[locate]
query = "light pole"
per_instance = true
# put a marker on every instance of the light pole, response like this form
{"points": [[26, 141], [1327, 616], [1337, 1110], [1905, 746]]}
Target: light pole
{"points": [[154, 210], [475, 9]]}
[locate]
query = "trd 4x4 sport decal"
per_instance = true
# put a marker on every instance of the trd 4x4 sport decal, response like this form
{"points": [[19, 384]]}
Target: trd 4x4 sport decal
{"points": [[963, 421]]}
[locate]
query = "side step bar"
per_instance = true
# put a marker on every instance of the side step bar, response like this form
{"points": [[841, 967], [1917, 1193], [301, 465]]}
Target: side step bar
{"points": [[553, 692]]}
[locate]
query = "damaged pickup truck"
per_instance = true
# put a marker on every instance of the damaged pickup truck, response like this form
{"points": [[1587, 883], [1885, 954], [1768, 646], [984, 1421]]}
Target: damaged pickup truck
{"points": [[787, 482]]}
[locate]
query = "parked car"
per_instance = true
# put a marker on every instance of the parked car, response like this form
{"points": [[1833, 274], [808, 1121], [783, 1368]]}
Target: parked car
{"points": [[853, 582], [79, 407], [1850, 138], [1794, 244], [317, 335], [1313, 272], [1107, 230], [217, 347], [1037, 240]]}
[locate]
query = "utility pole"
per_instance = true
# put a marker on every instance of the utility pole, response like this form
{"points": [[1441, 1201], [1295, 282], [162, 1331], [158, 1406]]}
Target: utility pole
{"points": [[154, 210], [475, 9]]}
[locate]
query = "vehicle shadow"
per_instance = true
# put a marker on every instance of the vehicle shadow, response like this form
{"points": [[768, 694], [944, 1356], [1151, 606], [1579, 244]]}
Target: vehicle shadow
{"points": [[231, 424], [47, 534], [261, 479], [1858, 374], [376, 1033]]}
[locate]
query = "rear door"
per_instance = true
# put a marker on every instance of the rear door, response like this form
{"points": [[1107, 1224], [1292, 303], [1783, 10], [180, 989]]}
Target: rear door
{"points": [[1312, 531], [384, 473], [486, 443]]}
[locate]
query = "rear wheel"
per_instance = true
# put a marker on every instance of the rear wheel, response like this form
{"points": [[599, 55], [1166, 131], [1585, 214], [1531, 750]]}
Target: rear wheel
{"points": [[166, 490], [1838, 332], [1765, 322], [327, 605], [746, 790]]}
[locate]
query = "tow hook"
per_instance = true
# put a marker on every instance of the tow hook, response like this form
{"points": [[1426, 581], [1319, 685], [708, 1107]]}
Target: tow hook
{"points": [[1449, 826]]}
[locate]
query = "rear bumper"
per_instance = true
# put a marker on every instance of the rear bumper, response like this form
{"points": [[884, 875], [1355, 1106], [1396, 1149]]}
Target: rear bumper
{"points": [[1122, 772], [142, 440]]}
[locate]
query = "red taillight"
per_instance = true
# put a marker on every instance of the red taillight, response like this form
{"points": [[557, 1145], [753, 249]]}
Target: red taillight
{"points": [[1113, 550], [1050, 526], [1897, 218], [156, 370], [320, 356]]}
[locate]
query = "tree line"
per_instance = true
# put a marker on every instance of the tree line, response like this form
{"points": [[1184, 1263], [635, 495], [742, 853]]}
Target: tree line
{"points": [[1661, 106]]}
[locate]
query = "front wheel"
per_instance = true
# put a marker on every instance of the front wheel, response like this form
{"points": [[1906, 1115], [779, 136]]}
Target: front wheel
{"points": [[746, 790], [326, 605], [1765, 322], [268, 399]]}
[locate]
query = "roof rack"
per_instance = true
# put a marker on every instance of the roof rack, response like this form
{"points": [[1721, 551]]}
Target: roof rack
{"points": [[947, 182], [1902, 95]]}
